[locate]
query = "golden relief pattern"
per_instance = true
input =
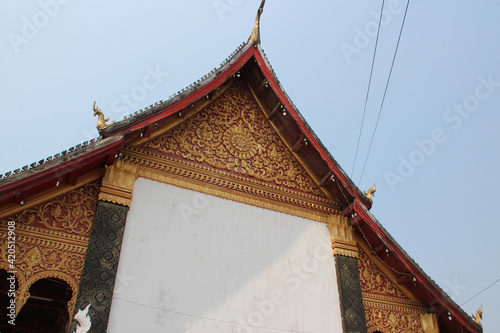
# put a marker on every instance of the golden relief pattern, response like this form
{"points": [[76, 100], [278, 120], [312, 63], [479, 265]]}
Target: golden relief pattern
{"points": [[392, 319], [387, 307], [234, 135], [72, 213], [51, 241], [374, 281]]}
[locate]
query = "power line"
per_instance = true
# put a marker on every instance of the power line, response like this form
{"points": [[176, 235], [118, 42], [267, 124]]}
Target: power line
{"points": [[368, 90], [479, 293], [385, 91]]}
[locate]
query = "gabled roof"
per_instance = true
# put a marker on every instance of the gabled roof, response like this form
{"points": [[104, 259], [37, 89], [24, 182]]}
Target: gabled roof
{"points": [[64, 169], [249, 62], [409, 273]]}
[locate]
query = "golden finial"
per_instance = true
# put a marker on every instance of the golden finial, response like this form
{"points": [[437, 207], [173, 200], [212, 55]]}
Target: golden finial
{"points": [[479, 315], [370, 193], [255, 36], [101, 121]]}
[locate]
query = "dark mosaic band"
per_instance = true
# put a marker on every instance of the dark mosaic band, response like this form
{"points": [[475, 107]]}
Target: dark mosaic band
{"points": [[351, 299], [101, 263]]}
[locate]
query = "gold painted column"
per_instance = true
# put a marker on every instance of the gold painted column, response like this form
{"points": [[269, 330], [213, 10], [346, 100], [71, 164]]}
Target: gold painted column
{"points": [[118, 183], [430, 323], [345, 252]]}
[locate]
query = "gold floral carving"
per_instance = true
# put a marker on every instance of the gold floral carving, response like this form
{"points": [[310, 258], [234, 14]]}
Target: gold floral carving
{"points": [[234, 135], [229, 148], [388, 307], [51, 241], [374, 281], [342, 236], [392, 319], [118, 183], [72, 213]]}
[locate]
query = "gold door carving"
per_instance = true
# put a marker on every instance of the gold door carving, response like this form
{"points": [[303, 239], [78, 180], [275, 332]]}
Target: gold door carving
{"points": [[51, 241]]}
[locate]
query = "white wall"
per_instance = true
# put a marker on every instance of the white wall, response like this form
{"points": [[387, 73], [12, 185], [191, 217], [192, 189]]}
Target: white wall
{"points": [[191, 262]]}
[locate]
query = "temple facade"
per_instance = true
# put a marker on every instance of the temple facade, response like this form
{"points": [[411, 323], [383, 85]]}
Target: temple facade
{"points": [[217, 210]]}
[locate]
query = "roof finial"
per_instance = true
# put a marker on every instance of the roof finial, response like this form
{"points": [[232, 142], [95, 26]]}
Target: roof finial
{"points": [[370, 193], [255, 36], [101, 121]]}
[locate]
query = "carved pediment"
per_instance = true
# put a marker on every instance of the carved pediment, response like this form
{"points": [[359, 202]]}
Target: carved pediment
{"points": [[233, 136], [375, 281], [389, 307]]}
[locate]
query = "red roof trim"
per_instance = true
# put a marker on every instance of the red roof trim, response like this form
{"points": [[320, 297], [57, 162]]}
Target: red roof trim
{"points": [[249, 52], [191, 98], [53, 173], [304, 129], [437, 295]]}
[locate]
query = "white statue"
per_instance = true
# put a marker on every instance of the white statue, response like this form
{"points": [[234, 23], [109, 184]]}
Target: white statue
{"points": [[83, 319]]}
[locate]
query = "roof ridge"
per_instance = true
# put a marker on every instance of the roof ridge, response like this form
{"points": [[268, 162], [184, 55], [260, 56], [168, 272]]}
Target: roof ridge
{"points": [[50, 158], [180, 93]]}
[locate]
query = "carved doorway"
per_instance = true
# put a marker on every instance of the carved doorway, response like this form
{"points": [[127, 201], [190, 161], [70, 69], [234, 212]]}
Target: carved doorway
{"points": [[46, 310]]}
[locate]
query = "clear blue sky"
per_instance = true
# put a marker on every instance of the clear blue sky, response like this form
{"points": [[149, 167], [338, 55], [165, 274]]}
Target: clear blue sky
{"points": [[435, 157]]}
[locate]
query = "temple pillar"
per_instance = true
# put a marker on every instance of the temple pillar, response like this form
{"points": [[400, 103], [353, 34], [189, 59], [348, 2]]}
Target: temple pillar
{"points": [[345, 252], [103, 253], [430, 323]]}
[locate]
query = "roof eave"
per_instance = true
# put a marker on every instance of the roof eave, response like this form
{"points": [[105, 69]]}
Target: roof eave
{"points": [[18, 188], [431, 287]]}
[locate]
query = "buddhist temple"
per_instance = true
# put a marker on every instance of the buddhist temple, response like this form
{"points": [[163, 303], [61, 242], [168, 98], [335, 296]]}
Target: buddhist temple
{"points": [[216, 210]]}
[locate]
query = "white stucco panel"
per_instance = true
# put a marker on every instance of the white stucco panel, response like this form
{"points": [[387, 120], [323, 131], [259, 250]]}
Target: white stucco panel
{"points": [[191, 262]]}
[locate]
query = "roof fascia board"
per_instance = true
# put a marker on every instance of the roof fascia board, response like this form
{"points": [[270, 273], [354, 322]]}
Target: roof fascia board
{"points": [[60, 167], [339, 174], [220, 76], [435, 291]]}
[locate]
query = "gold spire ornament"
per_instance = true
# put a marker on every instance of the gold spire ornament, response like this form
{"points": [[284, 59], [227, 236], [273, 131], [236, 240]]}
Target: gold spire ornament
{"points": [[101, 121], [478, 316], [370, 193], [255, 36]]}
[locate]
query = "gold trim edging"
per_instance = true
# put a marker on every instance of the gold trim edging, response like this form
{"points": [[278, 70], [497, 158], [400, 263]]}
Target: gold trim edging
{"points": [[206, 182], [238, 192]]}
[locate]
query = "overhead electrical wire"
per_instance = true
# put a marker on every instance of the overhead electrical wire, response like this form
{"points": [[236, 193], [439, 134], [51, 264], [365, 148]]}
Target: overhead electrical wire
{"points": [[491, 285], [385, 91], [368, 90]]}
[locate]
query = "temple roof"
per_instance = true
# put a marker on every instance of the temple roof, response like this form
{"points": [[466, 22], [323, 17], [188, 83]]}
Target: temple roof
{"points": [[249, 62]]}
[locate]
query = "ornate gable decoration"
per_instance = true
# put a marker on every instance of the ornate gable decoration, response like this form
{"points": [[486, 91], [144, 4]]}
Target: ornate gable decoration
{"points": [[234, 135], [388, 308], [51, 241], [374, 281], [230, 149]]}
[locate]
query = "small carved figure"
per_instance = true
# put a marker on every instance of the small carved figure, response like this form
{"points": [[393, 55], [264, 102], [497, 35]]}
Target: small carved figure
{"points": [[478, 316], [83, 319], [370, 193], [101, 121]]}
